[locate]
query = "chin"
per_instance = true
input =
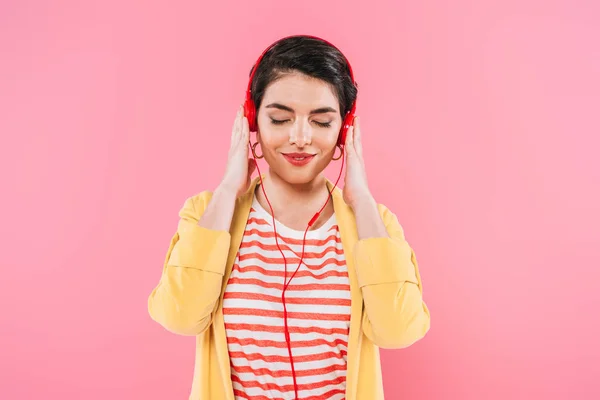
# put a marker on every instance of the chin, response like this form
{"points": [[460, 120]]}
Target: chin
{"points": [[297, 177]]}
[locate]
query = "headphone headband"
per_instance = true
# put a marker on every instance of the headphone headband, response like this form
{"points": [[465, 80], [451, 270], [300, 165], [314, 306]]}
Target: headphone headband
{"points": [[257, 63]]}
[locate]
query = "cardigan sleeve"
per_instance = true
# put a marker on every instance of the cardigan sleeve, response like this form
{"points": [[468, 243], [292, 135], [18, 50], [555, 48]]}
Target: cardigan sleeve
{"points": [[388, 274], [186, 296]]}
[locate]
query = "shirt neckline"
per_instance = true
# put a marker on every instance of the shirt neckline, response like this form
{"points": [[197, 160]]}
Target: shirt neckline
{"points": [[290, 232]]}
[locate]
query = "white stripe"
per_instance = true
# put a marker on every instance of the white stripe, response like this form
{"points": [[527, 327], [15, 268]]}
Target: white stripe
{"points": [[290, 292], [285, 366], [274, 393], [295, 322], [291, 307], [252, 334], [287, 380], [283, 351]]}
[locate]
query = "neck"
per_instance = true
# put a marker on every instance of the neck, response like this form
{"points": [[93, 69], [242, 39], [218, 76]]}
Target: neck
{"points": [[283, 194]]}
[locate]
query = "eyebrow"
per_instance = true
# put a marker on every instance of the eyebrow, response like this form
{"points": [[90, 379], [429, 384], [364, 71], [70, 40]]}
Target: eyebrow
{"points": [[321, 110]]}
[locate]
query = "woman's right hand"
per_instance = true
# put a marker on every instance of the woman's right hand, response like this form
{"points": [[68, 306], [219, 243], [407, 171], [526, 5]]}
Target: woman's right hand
{"points": [[238, 173]]}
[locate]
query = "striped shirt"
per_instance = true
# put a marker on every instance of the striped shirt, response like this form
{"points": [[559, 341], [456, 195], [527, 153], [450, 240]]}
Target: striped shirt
{"points": [[318, 312]]}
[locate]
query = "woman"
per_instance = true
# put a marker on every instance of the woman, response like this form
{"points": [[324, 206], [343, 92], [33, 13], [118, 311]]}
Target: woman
{"points": [[282, 309]]}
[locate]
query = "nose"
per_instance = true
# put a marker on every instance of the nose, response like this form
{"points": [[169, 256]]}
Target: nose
{"points": [[301, 133]]}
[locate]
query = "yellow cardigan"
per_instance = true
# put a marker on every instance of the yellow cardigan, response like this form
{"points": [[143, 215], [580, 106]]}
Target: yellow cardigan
{"points": [[387, 308]]}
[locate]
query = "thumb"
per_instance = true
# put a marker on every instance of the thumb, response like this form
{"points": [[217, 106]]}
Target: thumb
{"points": [[251, 166]]}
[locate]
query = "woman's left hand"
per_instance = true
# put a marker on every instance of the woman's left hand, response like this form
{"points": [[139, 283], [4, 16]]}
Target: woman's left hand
{"points": [[356, 189]]}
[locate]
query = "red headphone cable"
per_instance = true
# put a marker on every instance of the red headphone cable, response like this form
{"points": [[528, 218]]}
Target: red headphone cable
{"points": [[285, 285], [250, 112]]}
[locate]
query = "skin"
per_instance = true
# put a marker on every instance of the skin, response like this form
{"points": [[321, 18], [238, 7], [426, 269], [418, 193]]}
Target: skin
{"points": [[296, 193]]}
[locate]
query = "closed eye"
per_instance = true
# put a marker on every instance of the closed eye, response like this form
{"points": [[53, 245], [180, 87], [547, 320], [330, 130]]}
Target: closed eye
{"points": [[283, 121], [323, 124]]}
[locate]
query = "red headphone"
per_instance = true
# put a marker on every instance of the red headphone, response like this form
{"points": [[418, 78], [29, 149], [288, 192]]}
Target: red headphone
{"points": [[250, 113], [250, 108]]}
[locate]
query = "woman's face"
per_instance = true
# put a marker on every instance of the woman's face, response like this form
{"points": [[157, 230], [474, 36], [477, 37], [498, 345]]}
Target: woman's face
{"points": [[298, 125]]}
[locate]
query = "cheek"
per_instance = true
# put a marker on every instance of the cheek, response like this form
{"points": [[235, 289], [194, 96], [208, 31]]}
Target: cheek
{"points": [[331, 135], [326, 141], [273, 140]]}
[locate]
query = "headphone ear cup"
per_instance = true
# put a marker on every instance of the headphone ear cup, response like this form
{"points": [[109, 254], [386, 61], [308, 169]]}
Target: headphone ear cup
{"points": [[250, 113], [345, 126], [342, 137]]}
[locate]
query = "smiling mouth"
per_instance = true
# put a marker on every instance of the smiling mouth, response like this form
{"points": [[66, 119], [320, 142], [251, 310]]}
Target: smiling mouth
{"points": [[298, 159], [298, 156]]}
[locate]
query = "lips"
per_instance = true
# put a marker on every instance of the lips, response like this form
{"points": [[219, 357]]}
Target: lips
{"points": [[298, 159], [298, 156]]}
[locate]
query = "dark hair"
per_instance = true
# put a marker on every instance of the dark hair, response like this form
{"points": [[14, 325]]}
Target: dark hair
{"points": [[311, 57]]}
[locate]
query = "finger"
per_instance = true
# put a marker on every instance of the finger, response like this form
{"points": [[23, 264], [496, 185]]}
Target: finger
{"points": [[235, 130], [244, 131], [357, 137], [357, 132], [251, 166], [236, 126], [350, 141]]}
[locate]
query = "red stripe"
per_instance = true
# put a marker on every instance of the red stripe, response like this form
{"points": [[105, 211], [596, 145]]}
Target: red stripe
{"points": [[292, 261], [285, 388], [326, 395], [288, 373], [323, 396], [288, 300], [281, 274], [239, 393], [279, 286], [290, 314], [308, 242], [297, 359], [280, 329], [257, 221], [283, 345], [283, 247], [262, 221]]}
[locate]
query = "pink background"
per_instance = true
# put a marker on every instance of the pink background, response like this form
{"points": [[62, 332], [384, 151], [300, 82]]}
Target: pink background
{"points": [[481, 131]]}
